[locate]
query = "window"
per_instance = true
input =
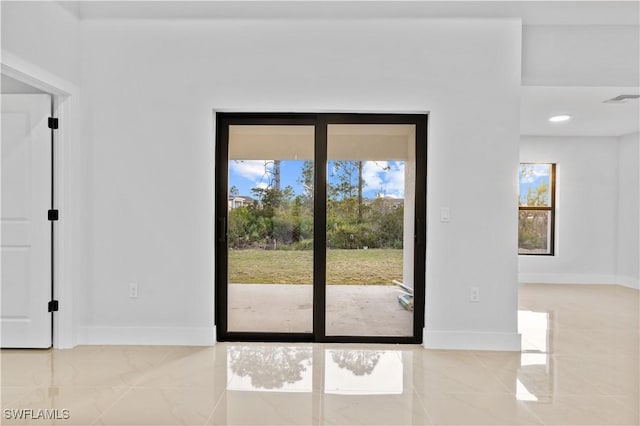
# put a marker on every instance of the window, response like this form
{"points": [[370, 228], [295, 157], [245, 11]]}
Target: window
{"points": [[536, 205]]}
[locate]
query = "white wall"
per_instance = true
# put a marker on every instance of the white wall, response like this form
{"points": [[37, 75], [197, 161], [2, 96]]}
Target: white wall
{"points": [[44, 34], [586, 210], [581, 55], [151, 87], [627, 254]]}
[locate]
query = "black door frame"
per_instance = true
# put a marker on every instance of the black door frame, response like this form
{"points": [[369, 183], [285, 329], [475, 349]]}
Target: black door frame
{"points": [[320, 122]]}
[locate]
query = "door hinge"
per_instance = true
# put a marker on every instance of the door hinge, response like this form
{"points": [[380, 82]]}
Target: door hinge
{"points": [[53, 215], [53, 306], [53, 123]]}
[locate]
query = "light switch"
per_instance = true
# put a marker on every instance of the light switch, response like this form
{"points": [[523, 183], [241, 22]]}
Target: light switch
{"points": [[445, 215]]}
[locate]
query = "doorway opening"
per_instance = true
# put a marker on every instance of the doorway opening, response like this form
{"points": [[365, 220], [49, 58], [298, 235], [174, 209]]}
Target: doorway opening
{"points": [[27, 216], [320, 230]]}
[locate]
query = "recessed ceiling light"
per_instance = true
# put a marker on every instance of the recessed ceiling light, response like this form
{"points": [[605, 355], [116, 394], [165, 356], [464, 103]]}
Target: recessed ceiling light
{"points": [[560, 118]]}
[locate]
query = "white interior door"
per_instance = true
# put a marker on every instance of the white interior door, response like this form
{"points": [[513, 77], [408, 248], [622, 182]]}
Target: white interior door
{"points": [[26, 186]]}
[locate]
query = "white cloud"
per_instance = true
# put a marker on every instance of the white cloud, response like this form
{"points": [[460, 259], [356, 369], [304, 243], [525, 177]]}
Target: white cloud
{"points": [[533, 172], [255, 171], [395, 180], [371, 174], [541, 170], [386, 178]]}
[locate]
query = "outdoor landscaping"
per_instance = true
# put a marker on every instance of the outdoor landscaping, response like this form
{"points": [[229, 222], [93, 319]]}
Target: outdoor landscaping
{"points": [[270, 236], [258, 266]]}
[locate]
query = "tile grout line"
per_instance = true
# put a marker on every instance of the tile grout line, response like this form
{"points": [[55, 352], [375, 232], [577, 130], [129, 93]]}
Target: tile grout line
{"points": [[422, 404], [111, 405], [13, 401], [494, 375], [129, 389], [215, 407], [222, 394], [514, 394]]}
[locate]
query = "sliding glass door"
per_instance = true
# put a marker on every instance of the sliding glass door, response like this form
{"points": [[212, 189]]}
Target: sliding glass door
{"points": [[270, 229], [371, 171], [320, 227]]}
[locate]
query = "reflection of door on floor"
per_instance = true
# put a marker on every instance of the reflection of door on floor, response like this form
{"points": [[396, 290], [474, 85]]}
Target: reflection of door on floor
{"points": [[26, 184], [317, 227]]}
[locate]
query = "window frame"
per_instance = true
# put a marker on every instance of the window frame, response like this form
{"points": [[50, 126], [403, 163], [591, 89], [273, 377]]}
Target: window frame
{"points": [[551, 209]]}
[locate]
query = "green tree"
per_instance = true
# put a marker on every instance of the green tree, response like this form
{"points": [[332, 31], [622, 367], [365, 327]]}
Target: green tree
{"points": [[344, 188], [273, 198], [538, 197], [344, 175], [306, 179]]}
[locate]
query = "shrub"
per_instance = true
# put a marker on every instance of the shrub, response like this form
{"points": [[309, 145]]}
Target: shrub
{"points": [[350, 236], [306, 244]]}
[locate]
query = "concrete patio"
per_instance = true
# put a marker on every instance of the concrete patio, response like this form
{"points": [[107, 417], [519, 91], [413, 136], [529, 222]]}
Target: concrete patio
{"points": [[352, 310]]}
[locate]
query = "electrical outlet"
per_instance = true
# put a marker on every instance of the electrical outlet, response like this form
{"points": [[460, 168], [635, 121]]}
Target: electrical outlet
{"points": [[475, 294], [133, 290], [445, 215]]}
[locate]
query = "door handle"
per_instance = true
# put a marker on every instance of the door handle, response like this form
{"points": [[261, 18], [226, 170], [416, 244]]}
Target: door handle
{"points": [[222, 230]]}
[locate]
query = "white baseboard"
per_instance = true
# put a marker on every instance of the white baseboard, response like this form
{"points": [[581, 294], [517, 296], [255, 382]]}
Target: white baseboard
{"points": [[631, 282], [566, 279], [170, 336], [471, 340]]}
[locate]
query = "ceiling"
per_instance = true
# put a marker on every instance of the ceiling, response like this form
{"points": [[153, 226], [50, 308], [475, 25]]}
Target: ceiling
{"points": [[344, 142], [531, 12], [576, 54], [590, 115]]}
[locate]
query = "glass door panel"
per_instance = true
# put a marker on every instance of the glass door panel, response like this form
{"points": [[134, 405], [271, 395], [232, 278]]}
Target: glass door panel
{"points": [[371, 175], [270, 229]]}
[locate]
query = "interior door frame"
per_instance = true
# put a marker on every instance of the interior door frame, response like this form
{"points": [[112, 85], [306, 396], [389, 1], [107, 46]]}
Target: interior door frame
{"points": [[320, 121], [66, 104]]}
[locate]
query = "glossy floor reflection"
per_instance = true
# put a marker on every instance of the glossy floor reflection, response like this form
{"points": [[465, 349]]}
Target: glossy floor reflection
{"points": [[579, 365]]}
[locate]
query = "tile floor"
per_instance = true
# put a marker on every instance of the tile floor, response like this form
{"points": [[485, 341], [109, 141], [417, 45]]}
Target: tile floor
{"points": [[579, 365]]}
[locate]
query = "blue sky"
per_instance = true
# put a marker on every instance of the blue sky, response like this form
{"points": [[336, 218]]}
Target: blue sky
{"points": [[381, 177], [534, 176]]}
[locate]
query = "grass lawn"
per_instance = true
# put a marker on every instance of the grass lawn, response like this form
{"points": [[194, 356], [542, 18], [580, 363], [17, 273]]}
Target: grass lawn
{"points": [[373, 266]]}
